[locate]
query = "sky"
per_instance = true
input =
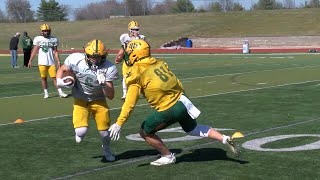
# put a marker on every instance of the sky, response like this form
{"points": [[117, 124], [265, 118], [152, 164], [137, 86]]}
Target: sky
{"points": [[72, 3], [81, 3]]}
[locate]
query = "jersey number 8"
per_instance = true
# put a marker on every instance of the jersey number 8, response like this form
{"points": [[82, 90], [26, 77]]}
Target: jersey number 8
{"points": [[163, 74]]}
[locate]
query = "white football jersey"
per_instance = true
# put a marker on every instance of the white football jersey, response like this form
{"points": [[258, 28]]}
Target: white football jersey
{"points": [[126, 38], [45, 55], [87, 86]]}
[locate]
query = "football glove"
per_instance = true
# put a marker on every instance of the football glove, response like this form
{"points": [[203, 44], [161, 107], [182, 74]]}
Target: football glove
{"points": [[61, 82], [101, 76], [115, 131]]}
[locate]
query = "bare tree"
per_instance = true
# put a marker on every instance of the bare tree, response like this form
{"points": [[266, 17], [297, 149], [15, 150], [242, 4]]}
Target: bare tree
{"points": [[289, 4], [92, 11], [137, 7], [237, 7], [100, 10], [19, 11], [313, 4], [215, 7], [163, 7], [3, 17], [226, 4]]}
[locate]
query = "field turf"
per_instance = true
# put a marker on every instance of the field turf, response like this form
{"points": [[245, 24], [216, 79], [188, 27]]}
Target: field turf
{"points": [[261, 95]]}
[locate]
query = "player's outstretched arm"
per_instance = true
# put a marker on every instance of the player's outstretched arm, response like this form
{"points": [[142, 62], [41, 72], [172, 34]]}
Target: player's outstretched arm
{"points": [[127, 107], [119, 56]]}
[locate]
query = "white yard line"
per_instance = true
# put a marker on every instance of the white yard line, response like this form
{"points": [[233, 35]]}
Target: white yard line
{"points": [[135, 160], [195, 97], [186, 79]]}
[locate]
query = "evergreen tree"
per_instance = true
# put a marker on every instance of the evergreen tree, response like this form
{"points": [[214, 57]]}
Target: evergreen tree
{"points": [[182, 6], [51, 10], [267, 4]]}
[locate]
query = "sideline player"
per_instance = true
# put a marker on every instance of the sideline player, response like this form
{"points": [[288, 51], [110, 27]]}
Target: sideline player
{"points": [[165, 93], [134, 33], [47, 47], [94, 82]]}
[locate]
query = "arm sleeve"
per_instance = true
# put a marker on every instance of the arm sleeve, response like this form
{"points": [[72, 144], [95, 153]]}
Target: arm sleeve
{"points": [[72, 60], [112, 73], [128, 105], [36, 41], [122, 40], [143, 37]]}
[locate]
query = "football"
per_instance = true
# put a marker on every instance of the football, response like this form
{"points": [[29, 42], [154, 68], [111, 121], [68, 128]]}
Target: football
{"points": [[69, 76]]}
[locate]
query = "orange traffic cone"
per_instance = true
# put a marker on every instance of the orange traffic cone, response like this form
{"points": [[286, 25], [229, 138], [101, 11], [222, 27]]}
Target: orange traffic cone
{"points": [[19, 121]]}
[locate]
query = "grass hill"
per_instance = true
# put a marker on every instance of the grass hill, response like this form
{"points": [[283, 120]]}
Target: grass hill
{"points": [[163, 28]]}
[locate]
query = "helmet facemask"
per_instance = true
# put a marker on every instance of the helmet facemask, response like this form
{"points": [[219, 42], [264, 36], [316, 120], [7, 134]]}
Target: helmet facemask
{"points": [[93, 63], [136, 50], [45, 30], [134, 32], [46, 33], [95, 53], [133, 28]]}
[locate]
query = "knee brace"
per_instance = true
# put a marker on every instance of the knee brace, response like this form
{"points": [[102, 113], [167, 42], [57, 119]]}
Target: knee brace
{"points": [[200, 130], [80, 133], [104, 133]]}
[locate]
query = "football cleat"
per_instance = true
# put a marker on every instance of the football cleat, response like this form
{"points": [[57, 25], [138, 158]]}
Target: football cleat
{"points": [[108, 154], [164, 160], [78, 138], [63, 95], [235, 148]]}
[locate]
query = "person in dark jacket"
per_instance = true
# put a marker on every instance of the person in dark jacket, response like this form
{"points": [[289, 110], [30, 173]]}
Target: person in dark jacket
{"points": [[27, 45], [13, 49]]}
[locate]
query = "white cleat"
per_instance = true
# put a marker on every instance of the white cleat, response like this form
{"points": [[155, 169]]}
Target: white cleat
{"points": [[78, 138], [63, 95], [108, 154], [46, 96], [164, 160]]}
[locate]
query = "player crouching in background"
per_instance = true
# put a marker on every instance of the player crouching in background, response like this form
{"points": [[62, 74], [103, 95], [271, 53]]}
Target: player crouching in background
{"points": [[94, 82]]}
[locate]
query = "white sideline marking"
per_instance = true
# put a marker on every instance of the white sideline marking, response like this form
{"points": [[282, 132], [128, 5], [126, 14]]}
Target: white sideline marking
{"points": [[66, 115], [201, 77], [195, 97]]}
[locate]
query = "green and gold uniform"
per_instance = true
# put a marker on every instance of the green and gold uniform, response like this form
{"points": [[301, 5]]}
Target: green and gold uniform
{"points": [[162, 89]]}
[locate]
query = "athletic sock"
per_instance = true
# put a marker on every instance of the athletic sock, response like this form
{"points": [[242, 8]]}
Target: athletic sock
{"points": [[225, 138]]}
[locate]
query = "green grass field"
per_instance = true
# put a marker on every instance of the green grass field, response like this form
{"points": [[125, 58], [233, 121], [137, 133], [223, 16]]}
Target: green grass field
{"points": [[261, 95]]}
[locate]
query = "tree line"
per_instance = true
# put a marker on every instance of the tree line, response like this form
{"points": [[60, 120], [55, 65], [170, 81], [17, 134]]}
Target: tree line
{"points": [[50, 10]]}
